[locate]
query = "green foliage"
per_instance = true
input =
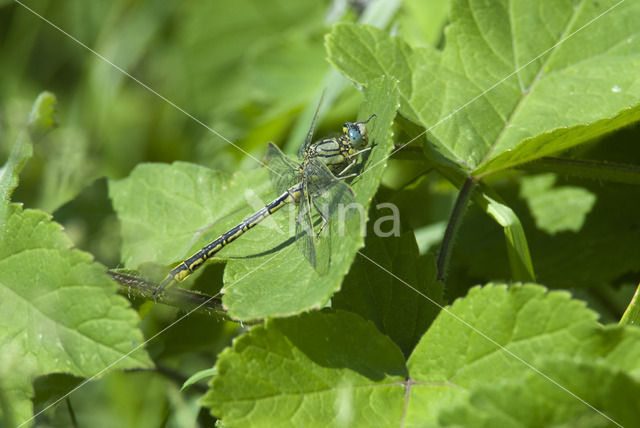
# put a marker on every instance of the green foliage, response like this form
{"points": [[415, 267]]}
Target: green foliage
{"points": [[471, 98], [348, 373], [290, 360], [262, 285], [204, 374], [59, 309], [388, 300], [40, 122], [521, 84], [299, 286], [559, 209], [60, 312]]}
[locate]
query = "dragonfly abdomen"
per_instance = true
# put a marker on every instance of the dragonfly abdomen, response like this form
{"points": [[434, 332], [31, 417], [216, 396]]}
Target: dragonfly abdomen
{"points": [[187, 267], [290, 195]]}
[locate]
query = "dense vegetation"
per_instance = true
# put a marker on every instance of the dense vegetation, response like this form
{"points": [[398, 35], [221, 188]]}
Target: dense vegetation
{"points": [[505, 135]]}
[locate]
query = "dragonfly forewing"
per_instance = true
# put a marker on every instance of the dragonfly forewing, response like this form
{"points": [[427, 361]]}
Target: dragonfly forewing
{"points": [[305, 235], [307, 141], [283, 171], [328, 193]]}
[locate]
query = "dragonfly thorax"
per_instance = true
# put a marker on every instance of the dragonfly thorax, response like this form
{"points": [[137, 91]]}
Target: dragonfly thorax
{"points": [[337, 153], [334, 152]]}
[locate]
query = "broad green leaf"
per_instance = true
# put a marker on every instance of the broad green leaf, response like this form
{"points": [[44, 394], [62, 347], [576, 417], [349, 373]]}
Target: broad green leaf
{"points": [[59, 312], [522, 340], [170, 211], [556, 209], [370, 290], [542, 403], [516, 81], [496, 334], [287, 283], [324, 369]]}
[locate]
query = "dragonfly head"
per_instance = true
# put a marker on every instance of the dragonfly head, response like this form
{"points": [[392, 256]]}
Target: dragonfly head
{"points": [[357, 132]]}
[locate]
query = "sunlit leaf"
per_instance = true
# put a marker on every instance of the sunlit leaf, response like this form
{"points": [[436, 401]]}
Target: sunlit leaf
{"points": [[516, 80], [59, 312]]}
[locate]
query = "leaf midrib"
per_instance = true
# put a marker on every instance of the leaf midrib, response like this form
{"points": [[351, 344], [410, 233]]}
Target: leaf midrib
{"points": [[527, 91]]}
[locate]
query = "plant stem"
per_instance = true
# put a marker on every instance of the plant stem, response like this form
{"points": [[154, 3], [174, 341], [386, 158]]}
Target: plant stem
{"points": [[596, 170], [455, 220], [72, 414]]}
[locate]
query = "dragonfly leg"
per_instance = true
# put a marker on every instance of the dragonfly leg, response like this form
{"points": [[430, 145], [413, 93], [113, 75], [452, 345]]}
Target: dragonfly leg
{"points": [[362, 151], [347, 168], [355, 160], [344, 177], [325, 221], [324, 224]]}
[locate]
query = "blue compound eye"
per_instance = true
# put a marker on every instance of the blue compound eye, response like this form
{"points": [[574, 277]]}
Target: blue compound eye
{"points": [[354, 135]]}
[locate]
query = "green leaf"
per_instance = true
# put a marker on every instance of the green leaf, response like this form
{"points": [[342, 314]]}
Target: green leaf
{"points": [[516, 241], [632, 313], [284, 283], [556, 209], [541, 403], [60, 312], [40, 122], [400, 312], [198, 376], [345, 373], [605, 249], [184, 207], [421, 22], [516, 80], [497, 334], [494, 350]]}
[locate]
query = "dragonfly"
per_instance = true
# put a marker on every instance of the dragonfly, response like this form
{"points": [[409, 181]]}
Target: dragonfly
{"points": [[316, 184]]}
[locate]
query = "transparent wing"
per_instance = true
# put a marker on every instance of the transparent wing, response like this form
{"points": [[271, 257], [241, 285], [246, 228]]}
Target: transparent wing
{"points": [[329, 195], [324, 194], [305, 236], [307, 141], [283, 171]]}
